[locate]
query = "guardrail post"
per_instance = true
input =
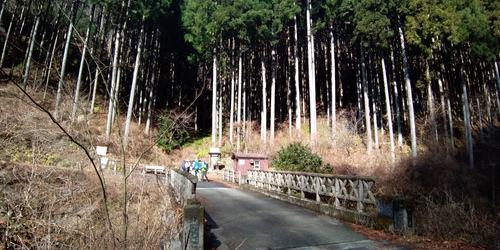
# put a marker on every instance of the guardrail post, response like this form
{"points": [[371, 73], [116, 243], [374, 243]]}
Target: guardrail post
{"points": [[361, 194], [302, 184], [194, 224], [318, 186], [289, 183]]}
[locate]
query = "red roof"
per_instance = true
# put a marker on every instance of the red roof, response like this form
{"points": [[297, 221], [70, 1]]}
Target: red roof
{"points": [[248, 156]]}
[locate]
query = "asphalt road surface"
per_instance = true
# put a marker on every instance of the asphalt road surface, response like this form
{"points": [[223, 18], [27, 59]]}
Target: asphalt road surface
{"points": [[241, 219]]}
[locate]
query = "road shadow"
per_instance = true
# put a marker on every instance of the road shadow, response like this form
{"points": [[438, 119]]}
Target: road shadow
{"points": [[211, 241]]}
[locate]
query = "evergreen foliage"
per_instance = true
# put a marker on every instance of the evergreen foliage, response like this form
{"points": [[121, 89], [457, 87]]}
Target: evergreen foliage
{"points": [[170, 134], [297, 157]]}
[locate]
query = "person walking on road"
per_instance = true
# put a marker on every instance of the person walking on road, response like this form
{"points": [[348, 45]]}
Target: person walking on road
{"points": [[196, 167], [204, 169]]}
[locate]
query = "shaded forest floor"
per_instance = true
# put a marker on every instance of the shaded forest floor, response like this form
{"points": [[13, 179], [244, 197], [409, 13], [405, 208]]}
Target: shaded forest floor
{"points": [[455, 208]]}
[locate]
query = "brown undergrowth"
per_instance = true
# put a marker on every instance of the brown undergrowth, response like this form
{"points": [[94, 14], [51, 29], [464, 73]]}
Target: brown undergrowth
{"points": [[44, 207]]}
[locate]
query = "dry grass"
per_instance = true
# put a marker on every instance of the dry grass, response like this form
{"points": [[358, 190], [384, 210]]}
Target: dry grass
{"points": [[45, 207], [50, 207]]}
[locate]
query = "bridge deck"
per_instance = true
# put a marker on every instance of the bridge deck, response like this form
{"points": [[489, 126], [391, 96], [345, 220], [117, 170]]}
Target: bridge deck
{"points": [[244, 220]]}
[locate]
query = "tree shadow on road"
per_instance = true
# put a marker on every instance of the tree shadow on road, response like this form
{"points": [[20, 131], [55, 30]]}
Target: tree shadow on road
{"points": [[211, 241]]}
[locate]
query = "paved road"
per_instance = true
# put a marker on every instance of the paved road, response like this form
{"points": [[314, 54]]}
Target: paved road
{"points": [[245, 220]]}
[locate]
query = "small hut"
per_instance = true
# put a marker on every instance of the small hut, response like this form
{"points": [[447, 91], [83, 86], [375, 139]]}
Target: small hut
{"points": [[242, 162]]}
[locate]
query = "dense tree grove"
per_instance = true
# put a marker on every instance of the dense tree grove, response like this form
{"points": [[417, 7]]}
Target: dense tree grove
{"points": [[268, 61]]}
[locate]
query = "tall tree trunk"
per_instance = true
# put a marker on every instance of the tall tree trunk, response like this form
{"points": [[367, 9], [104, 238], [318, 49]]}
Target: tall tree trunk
{"points": [[49, 68], [6, 42], [263, 117], [221, 109], [30, 52], [63, 67], [297, 81], [238, 112], [273, 93], [151, 90], [498, 84], [466, 110], [374, 101], [231, 110], [289, 83], [113, 88], [80, 70], [480, 119], [214, 99], [366, 102], [133, 87], [334, 86], [431, 106], [443, 110], [115, 72], [312, 73], [94, 90], [388, 110], [396, 99], [3, 8], [409, 95], [487, 94]]}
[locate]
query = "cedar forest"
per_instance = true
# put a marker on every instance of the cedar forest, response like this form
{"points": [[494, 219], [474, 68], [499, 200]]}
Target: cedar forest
{"points": [[424, 73]]}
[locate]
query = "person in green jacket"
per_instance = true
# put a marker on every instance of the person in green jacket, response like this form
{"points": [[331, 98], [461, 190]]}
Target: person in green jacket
{"points": [[204, 169]]}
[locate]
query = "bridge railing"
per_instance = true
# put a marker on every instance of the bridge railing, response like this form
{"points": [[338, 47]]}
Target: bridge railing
{"points": [[192, 230], [349, 193]]}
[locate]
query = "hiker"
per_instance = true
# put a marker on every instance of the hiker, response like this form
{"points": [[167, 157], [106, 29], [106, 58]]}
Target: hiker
{"points": [[186, 165], [204, 169], [196, 167]]}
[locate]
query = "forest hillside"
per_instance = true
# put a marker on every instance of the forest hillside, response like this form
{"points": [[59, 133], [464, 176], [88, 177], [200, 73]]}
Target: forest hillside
{"points": [[405, 91], [45, 190]]}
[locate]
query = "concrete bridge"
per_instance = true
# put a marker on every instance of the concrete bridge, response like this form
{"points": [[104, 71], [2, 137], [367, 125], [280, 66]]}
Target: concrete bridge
{"points": [[254, 214]]}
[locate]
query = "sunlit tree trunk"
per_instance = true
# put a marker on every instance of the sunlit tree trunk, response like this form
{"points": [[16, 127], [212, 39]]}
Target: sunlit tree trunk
{"points": [[133, 87], [443, 110], [366, 100], [374, 101], [498, 84], [63, 67], [431, 106], [487, 94], [388, 109], [214, 99], [289, 83], [396, 100], [466, 113], [231, 109], [3, 8], [30, 52], [263, 121], [115, 71], [312, 73], [94, 90], [297, 81], [80, 70], [238, 119], [6, 42], [221, 109], [409, 96], [334, 86], [152, 94], [49, 67], [273, 93]]}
